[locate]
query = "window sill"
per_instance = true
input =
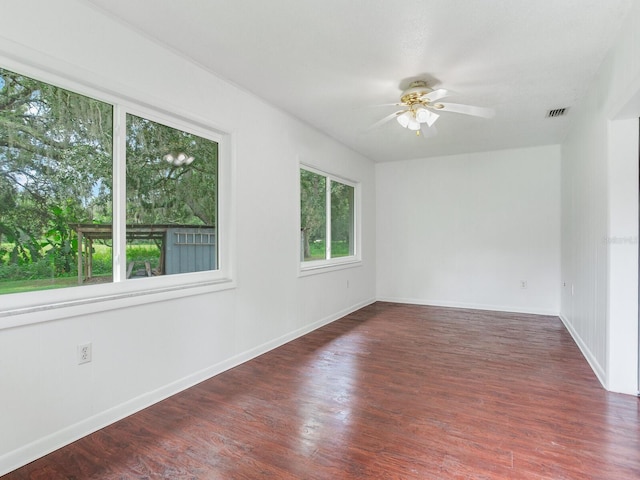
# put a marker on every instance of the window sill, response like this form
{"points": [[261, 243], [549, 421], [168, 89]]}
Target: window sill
{"points": [[324, 267], [104, 298]]}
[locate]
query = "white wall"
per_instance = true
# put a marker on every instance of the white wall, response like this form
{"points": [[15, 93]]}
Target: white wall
{"points": [[465, 230], [600, 216], [145, 352]]}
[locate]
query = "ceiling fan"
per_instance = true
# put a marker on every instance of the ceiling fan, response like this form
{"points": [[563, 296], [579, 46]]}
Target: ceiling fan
{"points": [[421, 108]]}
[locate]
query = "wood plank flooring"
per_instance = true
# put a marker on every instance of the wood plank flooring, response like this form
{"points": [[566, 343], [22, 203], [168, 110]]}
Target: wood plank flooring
{"points": [[388, 392]]}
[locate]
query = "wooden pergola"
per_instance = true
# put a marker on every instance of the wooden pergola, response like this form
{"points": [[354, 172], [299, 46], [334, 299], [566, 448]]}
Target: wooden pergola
{"points": [[89, 232]]}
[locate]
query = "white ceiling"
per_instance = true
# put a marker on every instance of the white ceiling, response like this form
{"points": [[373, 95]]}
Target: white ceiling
{"points": [[331, 62]]}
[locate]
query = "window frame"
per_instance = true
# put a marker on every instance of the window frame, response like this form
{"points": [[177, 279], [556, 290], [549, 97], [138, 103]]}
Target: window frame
{"points": [[327, 264], [44, 305]]}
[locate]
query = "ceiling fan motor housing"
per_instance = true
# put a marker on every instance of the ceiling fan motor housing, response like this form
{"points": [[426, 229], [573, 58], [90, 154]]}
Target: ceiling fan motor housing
{"points": [[413, 95]]}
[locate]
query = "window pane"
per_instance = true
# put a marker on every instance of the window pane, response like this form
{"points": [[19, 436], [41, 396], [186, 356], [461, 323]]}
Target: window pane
{"points": [[341, 220], [313, 214], [171, 200], [55, 178]]}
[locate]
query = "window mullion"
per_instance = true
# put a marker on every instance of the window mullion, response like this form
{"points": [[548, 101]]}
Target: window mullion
{"points": [[328, 222], [119, 193]]}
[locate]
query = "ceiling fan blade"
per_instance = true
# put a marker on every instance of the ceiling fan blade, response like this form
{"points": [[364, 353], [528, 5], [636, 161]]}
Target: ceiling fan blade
{"points": [[397, 104], [466, 109], [436, 95], [385, 119]]}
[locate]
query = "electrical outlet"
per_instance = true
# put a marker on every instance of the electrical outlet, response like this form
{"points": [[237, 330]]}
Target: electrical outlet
{"points": [[523, 284], [84, 353]]}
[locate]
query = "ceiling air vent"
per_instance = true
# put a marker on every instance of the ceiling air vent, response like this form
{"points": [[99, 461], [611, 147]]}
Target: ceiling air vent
{"points": [[557, 112]]}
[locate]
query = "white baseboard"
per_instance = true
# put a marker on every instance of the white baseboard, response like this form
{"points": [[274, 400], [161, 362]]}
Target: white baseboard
{"points": [[586, 352], [41, 447], [472, 306]]}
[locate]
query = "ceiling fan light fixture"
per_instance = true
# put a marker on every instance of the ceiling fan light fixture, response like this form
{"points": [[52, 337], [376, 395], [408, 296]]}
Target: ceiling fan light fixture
{"points": [[405, 119], [422, 115], [408, 120], [178, 159], [413, 125], [420, 108]]}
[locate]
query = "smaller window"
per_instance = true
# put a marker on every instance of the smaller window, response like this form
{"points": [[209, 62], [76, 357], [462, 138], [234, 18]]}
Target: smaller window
{"points": [[327, 219]]}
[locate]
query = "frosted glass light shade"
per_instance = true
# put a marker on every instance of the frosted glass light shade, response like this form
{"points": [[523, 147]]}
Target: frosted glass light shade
{"points": [[408, 120], [404, 119], [424, 115], [413, 125]]}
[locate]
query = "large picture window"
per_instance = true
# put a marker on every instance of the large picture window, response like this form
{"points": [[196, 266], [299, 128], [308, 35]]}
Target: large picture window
{"points": [[327, 218], [58, 192]]}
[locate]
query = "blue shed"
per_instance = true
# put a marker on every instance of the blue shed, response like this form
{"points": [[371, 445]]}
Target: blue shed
{"points": [[190, 249]]}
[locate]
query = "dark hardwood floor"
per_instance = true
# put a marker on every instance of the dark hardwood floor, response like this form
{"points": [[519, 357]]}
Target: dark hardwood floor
{"points": [[388, 392]]}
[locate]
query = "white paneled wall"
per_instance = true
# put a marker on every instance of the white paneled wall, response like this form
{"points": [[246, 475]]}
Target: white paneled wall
{"points": [[600, 216]]}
